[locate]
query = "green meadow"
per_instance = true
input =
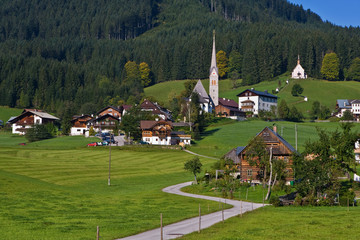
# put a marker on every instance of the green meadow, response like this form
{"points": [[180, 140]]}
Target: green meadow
{"points": [[287, 223], [6, 113], [50, 193]]}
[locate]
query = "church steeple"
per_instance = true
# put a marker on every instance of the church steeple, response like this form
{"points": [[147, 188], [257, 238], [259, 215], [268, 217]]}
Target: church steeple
{"points": [[298, 59], [214, 76], [213, 56]]}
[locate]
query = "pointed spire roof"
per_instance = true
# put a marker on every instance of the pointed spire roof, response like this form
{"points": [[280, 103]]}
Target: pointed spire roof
{"points": [[200, 90], [213, 57]]}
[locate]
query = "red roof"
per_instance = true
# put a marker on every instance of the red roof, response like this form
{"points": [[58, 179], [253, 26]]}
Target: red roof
{"points": [[228, 103]]}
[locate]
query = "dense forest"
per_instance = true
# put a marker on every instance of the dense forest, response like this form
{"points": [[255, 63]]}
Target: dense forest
{"points": [[70, 55]]}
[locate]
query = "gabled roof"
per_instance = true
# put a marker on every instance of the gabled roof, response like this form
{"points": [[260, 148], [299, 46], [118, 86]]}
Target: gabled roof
{"points": [[149, 124], [75, 118], [343, 103], [281, 139], [155, 108], [36, 112], [239, 150], [264, 94], [355, 101], [228, 103], [200, 90], [112, 107]]}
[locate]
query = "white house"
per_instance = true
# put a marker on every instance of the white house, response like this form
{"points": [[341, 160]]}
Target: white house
{"points": [[79, 125], [255, 101], [343, 105], [357, 151], [160, 133], [298, 72], [28, 118]]}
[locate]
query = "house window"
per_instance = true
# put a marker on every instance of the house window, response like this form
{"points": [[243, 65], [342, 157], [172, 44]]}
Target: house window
{"points": [[249, 172], [110, 110]]}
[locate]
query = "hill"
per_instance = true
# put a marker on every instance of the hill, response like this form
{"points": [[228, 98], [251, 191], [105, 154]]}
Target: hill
{"points": [[326, 92], [6, 113], [59, 56]]}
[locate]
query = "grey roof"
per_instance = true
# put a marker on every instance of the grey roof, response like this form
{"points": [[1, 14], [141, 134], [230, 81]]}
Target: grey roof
{"points": [[264, 94], [343, 103], [10, 119], [44, 115], [199, 89], [239, 150], [355, 101]]}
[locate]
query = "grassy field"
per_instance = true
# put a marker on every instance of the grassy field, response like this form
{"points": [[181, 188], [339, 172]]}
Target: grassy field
{"points": [[287, 223], [6, 113], [49, 193], [219, 139], [326, 92]]}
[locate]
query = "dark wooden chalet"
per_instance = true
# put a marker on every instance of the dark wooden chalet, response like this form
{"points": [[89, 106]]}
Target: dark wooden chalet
{"points": [[228, 108], [280, 148]]}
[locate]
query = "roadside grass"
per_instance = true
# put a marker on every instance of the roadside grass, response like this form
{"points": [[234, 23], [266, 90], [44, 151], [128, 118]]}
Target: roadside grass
{"points": [[248, 194], [7, 112], [63, 194], [220, 139], [286, 223]]}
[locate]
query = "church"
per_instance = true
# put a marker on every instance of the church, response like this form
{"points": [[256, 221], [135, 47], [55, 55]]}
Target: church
{"points": [[298, 72]]}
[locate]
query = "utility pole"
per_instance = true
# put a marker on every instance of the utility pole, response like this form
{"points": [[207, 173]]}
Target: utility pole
{"points": [[109, 161], [295, 137], [189, 110]]}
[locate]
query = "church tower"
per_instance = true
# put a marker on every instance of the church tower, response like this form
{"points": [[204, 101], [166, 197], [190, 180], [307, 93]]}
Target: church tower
{"points": [[214, 76]]}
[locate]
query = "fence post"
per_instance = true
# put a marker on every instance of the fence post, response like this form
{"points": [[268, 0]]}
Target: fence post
{"points": [[199, 218], [97, 233], [161, 226]]}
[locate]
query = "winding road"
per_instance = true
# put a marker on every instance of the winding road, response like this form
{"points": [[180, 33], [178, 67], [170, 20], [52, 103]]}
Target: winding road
{"points": [[181, 228]]}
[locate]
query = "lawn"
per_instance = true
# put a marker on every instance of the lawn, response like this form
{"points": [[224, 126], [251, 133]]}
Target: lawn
{"points": [[287, 223], [6, 113], [49, 193], [221, 138]]}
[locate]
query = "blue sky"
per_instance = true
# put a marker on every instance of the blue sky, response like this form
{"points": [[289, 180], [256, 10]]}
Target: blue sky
{"points": [[339, 12]]}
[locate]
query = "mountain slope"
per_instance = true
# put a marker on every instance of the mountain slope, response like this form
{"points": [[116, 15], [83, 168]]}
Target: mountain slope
{"points": [[62, 55]]}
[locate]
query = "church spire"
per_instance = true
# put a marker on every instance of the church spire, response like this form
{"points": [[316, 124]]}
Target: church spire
{"points": [[214, 77], [213, 56]]}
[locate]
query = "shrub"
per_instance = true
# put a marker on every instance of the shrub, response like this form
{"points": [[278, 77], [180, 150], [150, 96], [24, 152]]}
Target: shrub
{"points": [[275, 201], [39, 132]]}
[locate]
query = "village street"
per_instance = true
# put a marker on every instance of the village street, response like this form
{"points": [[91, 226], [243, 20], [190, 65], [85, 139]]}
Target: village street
{"points": [[191, 225]]}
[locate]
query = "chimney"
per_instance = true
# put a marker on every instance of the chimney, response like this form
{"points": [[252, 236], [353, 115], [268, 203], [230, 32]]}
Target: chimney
{"points": [[275, 128]]}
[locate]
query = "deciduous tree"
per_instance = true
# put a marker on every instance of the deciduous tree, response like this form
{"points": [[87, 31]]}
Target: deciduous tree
{"points": [[194, 166], [222, 63], [330, 68]]}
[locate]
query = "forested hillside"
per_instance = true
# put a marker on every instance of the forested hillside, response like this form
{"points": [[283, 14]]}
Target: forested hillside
{"points": [[70, 55]]}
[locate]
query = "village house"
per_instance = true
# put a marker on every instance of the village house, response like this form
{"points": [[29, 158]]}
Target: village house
{"points": [[28, 118], [79, 125], [281, 150], [343, 105], [104, 123], [160, 133], [357, 151], [254, 101], [229, 108], [110, 110], [156, 109], [298, 72]]}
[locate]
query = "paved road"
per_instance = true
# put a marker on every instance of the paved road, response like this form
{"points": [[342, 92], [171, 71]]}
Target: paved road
{"points": [[191, 225]]}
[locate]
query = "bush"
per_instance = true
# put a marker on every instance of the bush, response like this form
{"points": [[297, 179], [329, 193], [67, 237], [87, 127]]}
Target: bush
{"points": [[298, 200], [39, 132], [275, 201]]}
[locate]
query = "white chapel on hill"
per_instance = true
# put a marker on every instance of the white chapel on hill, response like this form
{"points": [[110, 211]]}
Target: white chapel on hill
{"points": [[298, 72]]}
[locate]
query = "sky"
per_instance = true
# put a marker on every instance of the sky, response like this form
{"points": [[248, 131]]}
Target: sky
{"points": [[339, 12]]}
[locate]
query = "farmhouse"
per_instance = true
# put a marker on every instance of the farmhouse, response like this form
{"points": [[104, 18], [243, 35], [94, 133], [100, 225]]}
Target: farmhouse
{"points": [[156, 109], [28, 118], [110, 110], [298, 72], [160, 133], [104, 123], [229, 108], [254, 101], [343, 105], [281, 150], [79, 124]]}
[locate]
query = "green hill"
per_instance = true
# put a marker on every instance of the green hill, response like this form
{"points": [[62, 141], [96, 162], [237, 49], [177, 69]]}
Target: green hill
{"points": [[326, 92], [6, 113]]}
